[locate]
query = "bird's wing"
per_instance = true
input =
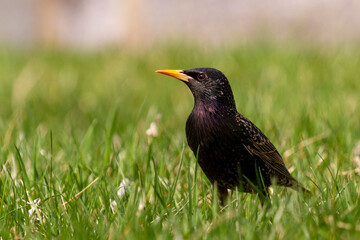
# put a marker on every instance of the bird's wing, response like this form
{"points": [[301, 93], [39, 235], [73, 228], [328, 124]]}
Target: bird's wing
{"points": [[256, 143]]}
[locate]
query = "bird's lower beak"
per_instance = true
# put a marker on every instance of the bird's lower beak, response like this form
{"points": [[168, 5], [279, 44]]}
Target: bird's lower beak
{"points": [[179, 74]]}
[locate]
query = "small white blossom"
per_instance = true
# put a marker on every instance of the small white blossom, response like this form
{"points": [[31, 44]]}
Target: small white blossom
{"points": [[112, 205], [152, 131], [32, 211], [123, 187], [121, 192]]}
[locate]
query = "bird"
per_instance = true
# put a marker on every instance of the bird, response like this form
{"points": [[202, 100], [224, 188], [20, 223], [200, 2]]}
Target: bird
{"points": [[231, 150]]}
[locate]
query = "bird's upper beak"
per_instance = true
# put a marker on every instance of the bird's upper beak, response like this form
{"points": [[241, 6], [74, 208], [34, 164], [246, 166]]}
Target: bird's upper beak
{"points": [[179, 74]]}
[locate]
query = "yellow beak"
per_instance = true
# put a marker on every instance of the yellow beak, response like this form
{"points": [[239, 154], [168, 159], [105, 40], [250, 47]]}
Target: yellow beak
{"points": [[179, 74]]}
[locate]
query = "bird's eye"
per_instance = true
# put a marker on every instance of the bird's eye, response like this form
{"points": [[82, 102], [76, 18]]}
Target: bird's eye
{"points": [[201, 76]]}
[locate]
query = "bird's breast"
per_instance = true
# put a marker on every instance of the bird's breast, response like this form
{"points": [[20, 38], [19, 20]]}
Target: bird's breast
{"points": [[212, 141], [204, 127]]}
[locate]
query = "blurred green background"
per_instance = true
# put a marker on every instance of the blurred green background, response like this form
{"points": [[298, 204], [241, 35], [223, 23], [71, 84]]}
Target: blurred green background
{"points": [[270, 82]]}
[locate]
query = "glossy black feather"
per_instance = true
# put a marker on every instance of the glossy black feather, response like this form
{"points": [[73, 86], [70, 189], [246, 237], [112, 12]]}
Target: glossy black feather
{"points": [[233, 152]]}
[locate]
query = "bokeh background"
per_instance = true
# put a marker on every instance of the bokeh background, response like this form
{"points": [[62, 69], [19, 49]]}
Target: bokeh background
{"points": [[93, 24]]}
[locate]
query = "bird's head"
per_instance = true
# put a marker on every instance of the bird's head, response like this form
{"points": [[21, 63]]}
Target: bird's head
{"points": [[208, 85]]}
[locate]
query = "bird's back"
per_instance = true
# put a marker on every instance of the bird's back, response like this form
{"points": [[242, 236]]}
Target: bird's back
{"points": [[231, 149]]}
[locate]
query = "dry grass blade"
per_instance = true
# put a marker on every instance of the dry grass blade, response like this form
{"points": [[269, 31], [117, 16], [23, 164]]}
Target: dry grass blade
{"points": [[4, 166], [79, 193]]}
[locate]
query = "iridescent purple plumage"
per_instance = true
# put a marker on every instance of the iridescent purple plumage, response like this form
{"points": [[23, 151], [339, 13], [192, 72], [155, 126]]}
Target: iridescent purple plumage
{"points": [[232, 151]]}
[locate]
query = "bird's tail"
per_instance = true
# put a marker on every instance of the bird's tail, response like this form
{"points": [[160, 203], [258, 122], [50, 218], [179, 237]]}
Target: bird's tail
{"points": [[299, 187]]}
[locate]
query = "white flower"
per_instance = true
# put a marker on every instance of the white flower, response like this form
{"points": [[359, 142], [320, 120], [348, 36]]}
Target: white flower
{"points": [[121, 192], [123, 187], [112, 205], [152, 131], [32, 211]]}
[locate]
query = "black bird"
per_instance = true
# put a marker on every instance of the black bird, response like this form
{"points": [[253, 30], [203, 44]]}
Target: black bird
{"points": [[231, 150]]}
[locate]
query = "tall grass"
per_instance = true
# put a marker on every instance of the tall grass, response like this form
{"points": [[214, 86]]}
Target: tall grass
{"points": [[73, 127]]}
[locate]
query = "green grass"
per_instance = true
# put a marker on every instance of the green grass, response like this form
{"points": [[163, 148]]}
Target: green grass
{"points": [[67, 119]]}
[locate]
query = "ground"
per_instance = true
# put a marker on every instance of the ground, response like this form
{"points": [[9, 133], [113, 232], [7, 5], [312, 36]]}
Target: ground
{"points": [[80, 160]]}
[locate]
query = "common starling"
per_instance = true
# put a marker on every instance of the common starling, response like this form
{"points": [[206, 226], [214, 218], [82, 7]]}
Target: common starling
{"points": [[231, 150]]}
